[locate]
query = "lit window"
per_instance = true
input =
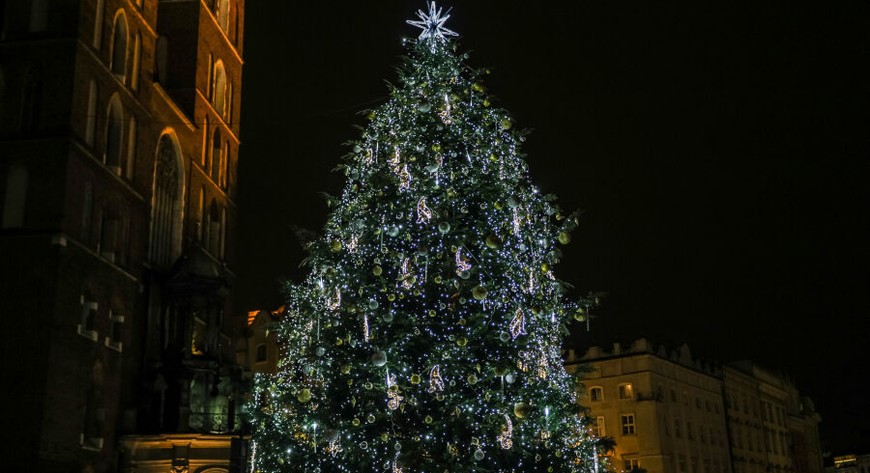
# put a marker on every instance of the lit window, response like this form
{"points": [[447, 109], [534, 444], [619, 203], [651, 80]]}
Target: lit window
{"points": [[626, 391], [627, 424], [631, 464], [596, 394]]}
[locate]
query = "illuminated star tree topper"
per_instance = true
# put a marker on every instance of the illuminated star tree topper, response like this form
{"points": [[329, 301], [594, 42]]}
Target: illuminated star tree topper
{"points": [[432, 24]]}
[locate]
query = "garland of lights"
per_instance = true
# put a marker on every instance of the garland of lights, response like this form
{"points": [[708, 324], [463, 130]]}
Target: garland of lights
{"points": [[397, 353]]}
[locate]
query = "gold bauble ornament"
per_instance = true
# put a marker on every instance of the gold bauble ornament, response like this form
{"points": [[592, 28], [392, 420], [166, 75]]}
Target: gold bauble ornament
{"points": [[356, 422], [479, 293], [428, 419], [377, 270], [304, 396], [472, 379], [345, 369], [506, 124], [522, 410], [580, 315], [415, 379], [385, 436], [498, 205], [461, 341], [545, 267], [335, 246], [493, 241], [564, 238]]}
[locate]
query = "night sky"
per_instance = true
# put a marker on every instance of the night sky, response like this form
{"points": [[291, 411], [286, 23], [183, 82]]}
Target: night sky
{"points": [[719, 153]]}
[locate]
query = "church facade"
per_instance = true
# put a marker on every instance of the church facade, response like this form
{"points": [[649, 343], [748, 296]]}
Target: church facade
{"points": [[119, 140]]}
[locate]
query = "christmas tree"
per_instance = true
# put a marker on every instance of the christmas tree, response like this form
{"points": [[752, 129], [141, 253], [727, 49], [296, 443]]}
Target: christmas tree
{"points": [[427, 335]]}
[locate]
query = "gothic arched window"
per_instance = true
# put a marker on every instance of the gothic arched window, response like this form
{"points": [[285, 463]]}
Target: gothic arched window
{"points": [[31, 101], [166, 213], [137, 59], [38, 16], [114, 132], [15, 197], [219, 89], [91, 118], [132, 137], [119, 46], [216, 155], [222, 13], [98, 23]]}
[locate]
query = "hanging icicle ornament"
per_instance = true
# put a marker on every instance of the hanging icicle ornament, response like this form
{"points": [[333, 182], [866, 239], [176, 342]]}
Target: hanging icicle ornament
{"points": [[518, 324], [516, 221], [461, 264], [504, 438], [432, 24], [531, 287], [335, 302], [435, 381], [366, 334], [404, 178], [424, 213]]}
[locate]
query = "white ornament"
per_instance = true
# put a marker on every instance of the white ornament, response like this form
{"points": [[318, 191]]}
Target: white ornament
{"points": [[432, 24]]}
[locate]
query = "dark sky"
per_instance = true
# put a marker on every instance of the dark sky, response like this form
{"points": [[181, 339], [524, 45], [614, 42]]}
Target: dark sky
{"points": [[718, 150]]}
